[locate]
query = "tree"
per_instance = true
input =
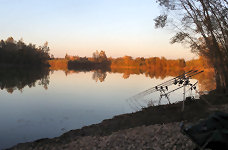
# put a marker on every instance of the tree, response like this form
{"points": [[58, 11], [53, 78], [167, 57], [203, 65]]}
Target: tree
{"points": [[96, 55], [45, 47], [18, 53], [203, 24], [127, 60], [20, 44], [52, 56], [67, 56], [10, 40], [102, 56]]}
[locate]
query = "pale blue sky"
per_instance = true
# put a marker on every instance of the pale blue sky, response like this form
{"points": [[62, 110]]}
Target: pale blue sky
{"points": [[79, 27]]}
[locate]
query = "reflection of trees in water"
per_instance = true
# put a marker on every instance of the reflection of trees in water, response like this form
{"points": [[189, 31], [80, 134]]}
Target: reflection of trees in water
{"points": [[44, 82], [99, 75], [162, 74], [126, 75], [152, 73], [206, 79], [17, 79], [68, 72]]}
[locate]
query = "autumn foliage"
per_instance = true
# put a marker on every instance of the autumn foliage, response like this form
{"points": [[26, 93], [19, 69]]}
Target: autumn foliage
{"points": [[58, 64], [149, 63], [99, 60]]}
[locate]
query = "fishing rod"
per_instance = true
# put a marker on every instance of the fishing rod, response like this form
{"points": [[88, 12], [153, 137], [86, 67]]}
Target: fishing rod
{"points": [[173, 90], [167, 83], [196, 73], [135, 107], [182, 80], [192, 87], [189, 72], [187, 75], [185, 80]]}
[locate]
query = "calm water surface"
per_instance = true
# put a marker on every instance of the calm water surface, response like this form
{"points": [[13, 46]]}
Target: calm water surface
{"points": [[61, 102]]}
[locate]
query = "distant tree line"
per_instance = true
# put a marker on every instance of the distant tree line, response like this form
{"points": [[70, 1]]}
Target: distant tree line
{"points": [[18, 53], [99, 60], [152, 62]]}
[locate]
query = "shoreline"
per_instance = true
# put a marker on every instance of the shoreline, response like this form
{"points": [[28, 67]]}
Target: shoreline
{"points": [[148, 118]]}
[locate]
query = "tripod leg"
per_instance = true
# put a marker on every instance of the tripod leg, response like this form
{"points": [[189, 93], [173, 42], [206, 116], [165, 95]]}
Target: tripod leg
{"points": [[167, 98], [183, 100], [159, 102]]}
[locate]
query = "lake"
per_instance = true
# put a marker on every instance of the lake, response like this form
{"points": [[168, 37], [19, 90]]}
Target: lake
{"points": [[44, 104]]}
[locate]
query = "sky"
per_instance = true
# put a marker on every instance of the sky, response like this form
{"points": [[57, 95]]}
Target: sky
{"points": [[80, 27]]}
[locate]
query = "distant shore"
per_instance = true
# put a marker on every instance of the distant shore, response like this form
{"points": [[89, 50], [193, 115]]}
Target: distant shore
{"points": [[100, 61], [154, 120]]}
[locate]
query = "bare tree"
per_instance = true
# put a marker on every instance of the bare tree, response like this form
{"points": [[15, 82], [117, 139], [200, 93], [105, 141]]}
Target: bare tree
{"points": [[203, 24]]}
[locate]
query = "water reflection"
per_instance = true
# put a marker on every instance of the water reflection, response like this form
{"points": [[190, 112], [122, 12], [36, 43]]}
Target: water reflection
{"points": [[99, 75], [17, 78], [206, 79], [74, 99], [205, 83]]}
